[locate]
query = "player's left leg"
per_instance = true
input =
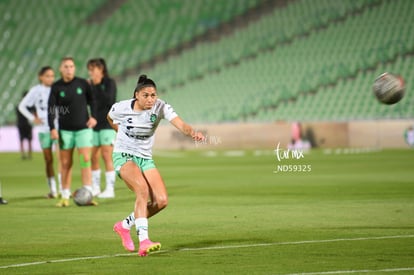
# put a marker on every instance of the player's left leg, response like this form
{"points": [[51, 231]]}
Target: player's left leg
{"points": [[59, 166], [46, 144], [96, 170], [158, 192], [85, 164], [50, 172], [84, 141], [109, 191], [106, 138]]}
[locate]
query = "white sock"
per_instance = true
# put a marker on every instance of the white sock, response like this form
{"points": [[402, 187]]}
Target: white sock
{"points": [[52, 185], [141, 224], [65, 193], [96, 178], [110, 180], [129, 221], [88, 187]]}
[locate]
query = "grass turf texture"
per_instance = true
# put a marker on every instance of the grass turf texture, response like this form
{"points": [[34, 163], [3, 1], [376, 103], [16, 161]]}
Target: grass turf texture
{"points": [[232, 203]]}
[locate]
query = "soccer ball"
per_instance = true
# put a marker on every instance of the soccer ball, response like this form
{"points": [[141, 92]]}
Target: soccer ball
{"points": [[82, 197], [388, 88]]}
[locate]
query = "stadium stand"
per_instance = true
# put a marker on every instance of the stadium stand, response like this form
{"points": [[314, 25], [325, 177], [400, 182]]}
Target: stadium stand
{"points": [[45, 31], [285, 81], [303, 60]]}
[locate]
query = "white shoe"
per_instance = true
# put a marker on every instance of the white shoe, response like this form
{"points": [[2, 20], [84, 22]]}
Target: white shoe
{"points": [[107, 194], [96, 190]]}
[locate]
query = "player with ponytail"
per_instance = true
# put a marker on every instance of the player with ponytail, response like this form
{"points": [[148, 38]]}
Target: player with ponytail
{"points": [[136, 121]]}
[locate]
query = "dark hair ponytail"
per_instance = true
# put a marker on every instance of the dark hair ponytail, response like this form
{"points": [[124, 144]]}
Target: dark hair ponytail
{"points": [[144, 81]]}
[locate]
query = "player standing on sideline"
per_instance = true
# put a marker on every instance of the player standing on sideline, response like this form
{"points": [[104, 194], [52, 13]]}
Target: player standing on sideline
{"points": [[38, 97], [135, 121], [25, 132], [104, 89], [70, 96]]}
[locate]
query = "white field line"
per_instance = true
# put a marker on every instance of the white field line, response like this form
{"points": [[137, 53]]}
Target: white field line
{"points": [[355, 271], [298, 242], [230, 247]]}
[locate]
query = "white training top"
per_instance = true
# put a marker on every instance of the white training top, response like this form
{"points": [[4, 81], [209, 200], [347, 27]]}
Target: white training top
{"points": [[37, 96], [136, 128]]}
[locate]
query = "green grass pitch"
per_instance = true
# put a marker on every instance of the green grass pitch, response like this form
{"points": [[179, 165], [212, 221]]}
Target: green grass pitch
{"points": [[228, 214]]}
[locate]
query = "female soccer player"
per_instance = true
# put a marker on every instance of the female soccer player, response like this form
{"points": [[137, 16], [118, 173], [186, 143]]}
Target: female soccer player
{"points": [[38, 97], [25, 129], [70, 96], [135, 121], [104, 89]]}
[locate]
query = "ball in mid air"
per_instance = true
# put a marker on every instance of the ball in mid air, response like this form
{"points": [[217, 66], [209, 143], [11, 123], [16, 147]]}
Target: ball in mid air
{"points": [[389, 88]]}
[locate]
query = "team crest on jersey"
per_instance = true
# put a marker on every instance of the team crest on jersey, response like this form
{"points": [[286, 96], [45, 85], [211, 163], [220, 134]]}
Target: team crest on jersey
{"points": [[153, 118], [62, 94], [79, 91]]}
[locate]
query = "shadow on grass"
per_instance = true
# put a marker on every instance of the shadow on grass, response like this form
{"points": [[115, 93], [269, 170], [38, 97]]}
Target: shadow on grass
{"points": [[205, 244], [27, 199]]}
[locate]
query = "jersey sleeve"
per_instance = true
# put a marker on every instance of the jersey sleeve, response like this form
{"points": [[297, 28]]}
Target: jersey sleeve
{"points": [[168, 112], [28, 101], [115, 114]]}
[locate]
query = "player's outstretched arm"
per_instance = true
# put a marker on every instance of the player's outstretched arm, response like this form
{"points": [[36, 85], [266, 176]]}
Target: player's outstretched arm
{"points": [[187, 129]]}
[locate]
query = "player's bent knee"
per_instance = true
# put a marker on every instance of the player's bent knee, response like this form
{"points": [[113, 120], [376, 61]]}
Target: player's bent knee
{"points": [[162, 202]]}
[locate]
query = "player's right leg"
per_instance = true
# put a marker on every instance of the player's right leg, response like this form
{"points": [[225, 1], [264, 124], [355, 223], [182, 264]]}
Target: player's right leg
{"points": [[66, 162], [46, 144], [59, 166], [67, 143]]}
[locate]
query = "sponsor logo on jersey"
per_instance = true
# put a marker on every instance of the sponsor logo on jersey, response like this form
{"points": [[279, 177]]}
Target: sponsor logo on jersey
{"points": [[153, 118]]}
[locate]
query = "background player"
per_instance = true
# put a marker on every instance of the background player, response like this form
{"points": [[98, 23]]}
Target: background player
{"points": [[104, 89], [38, 97], [135, 121], [70, 96], [25, 132]]}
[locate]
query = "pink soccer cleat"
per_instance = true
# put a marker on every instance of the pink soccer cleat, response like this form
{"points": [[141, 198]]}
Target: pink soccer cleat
{"points": [[125, 236], [146, 246]]}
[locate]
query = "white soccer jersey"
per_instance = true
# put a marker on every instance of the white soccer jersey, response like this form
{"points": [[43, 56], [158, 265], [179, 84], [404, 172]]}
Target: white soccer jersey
{"points": [[37, 96], [136, 128]]}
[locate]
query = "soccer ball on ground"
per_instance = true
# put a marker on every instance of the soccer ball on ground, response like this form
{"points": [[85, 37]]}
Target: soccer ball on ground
{"points": [[82, 197], [388, 88]]}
